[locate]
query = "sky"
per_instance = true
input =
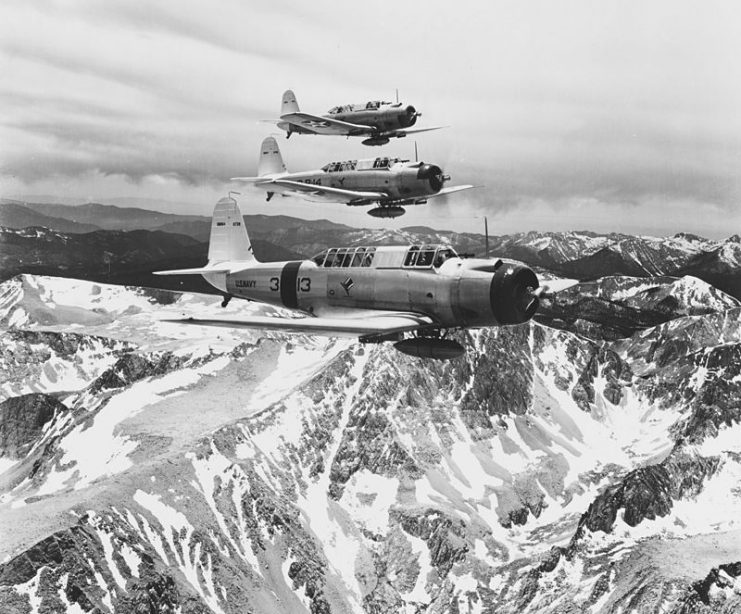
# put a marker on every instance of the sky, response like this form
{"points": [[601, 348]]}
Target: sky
{"points": [[612, 116]]}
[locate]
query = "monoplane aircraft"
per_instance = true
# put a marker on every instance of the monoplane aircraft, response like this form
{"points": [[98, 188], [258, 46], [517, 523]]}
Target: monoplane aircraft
{"points": [[377, 120], [409, 295], [387, 182]]}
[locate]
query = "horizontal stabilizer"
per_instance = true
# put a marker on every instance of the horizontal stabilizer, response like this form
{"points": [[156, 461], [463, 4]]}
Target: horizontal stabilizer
{"points": [[201, 271]]}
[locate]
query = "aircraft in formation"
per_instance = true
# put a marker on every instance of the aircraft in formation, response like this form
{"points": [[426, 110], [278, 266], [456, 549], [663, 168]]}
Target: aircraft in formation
{"points": [[409, 295], [387, 182], [377, 120]]}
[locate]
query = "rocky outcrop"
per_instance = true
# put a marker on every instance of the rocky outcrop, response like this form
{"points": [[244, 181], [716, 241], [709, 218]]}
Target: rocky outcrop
{"points": [[648, 492], [71, 570], [368, 442], [716, 401], [501, 376], [443, 534], [22, 421], [131, 367]]}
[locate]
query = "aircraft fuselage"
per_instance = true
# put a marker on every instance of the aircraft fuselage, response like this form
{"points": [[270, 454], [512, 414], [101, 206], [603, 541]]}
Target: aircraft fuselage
{"points": [[383, 119], [453, 294], [400, 181]]}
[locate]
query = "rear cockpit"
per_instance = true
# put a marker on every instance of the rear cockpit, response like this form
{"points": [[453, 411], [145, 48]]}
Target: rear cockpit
{"points": [[385, 257]]}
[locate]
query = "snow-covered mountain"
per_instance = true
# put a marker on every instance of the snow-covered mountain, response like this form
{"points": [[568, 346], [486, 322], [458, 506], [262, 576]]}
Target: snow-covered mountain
{"points": [[565, 469]]}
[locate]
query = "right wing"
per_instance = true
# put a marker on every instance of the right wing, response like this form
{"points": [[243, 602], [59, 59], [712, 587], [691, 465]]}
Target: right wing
{"points": [[452, 189], [325, 125], [402, 132], [381, 324]]}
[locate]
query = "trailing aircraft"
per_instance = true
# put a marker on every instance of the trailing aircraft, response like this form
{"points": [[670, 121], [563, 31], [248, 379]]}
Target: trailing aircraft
{"points": [[388, 182], [409, 295], [376, 120]]}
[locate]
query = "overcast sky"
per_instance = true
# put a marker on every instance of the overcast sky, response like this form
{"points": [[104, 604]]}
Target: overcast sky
{"points": [[608, 116]]}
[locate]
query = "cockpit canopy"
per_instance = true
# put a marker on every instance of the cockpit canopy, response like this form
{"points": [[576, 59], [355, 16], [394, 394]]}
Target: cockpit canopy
{"points": [[361, 165], [386, 257], [373, 105], [345, 257], [336, 167], [428, 255]]}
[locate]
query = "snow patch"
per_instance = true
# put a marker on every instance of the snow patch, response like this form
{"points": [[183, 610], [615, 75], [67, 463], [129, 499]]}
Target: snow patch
{"points": [[368, 498]]}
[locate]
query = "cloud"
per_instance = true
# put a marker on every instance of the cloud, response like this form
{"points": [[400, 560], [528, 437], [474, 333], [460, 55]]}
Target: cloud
{"points": [[550, 105]]}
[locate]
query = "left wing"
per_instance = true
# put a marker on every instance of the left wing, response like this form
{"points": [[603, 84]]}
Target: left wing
{"points": [[326, 192], [325, 125], [383, 323]]}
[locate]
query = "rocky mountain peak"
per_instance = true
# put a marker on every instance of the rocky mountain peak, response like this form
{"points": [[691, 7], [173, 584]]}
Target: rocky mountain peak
{"points": [[22, 420]]}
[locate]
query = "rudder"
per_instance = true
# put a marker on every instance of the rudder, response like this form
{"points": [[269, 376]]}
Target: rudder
{"points": [[271, 162], [229, 241], [288, 103]]}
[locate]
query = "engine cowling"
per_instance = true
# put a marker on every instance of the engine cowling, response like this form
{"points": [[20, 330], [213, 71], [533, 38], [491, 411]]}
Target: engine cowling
{"points": [[433, 174], [512, 294]]}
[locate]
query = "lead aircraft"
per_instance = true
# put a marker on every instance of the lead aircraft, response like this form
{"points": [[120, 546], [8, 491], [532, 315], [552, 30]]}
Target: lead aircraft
{"points": [[377, 120], [409, 295], [389, 182]]}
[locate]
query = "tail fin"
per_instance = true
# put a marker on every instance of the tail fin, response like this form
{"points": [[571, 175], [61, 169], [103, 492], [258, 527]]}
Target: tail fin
{"points": [[270, 162], [229, 241], [288, 104]]}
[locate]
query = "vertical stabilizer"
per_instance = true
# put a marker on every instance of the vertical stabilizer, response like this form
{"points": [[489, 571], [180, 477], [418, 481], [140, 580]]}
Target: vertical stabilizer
{"points": [[270, 162], [229, 241], [288, 104]]}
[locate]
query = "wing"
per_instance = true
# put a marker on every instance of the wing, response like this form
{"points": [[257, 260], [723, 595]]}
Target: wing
{"points": [[421, 200], [381, 324], [401, 132], [327, 193], [325, 125], [452, 189]]}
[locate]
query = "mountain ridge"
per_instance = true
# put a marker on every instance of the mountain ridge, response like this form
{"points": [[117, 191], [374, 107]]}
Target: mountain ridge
{"points": [[580, 254], [328, 476]]}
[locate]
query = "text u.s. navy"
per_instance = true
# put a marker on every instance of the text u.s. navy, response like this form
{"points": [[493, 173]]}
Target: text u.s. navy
{"points": [[378, 294]]}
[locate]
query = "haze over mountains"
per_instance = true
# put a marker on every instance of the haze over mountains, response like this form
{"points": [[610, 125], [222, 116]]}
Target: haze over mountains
{"points": [[582, 255], [587, 461]]}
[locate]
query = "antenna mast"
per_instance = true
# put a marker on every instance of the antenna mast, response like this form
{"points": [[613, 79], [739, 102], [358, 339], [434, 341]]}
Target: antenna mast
{"points": [[486, 235]]}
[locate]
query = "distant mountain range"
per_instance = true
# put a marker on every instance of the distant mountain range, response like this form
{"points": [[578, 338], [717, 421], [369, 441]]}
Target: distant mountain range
{"points": [[580, 255]]}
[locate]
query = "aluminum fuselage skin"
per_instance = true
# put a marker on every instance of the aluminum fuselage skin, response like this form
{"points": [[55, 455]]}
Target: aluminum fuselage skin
{"points": [[452, 295], [386, 119], [400, 181], [383, 119]]}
